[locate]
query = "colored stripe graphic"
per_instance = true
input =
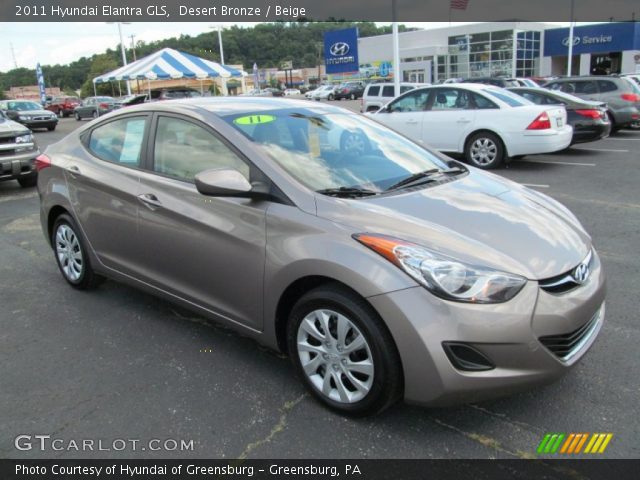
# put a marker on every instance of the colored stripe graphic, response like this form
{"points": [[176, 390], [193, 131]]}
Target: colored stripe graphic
{"points": [[573, 443]]}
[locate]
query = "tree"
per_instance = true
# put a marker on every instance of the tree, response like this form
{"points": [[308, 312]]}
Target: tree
{"points": [[100, 65]]}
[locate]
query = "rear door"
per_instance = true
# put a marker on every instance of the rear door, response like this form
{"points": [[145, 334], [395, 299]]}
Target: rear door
{"points": [[207, 250], [103, 187], [406, 113], [449, 117]]}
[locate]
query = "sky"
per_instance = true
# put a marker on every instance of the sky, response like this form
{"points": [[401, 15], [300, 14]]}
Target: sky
{"points": [[62, 43]]}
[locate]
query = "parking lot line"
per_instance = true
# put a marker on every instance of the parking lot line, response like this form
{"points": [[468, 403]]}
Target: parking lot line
{"points": [[561, 163], [622, 139], [533, 185], [603, 150]]}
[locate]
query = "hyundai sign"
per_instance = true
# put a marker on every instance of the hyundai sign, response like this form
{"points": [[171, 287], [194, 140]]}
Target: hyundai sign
{"points": [[604, 37], [341, 51]]}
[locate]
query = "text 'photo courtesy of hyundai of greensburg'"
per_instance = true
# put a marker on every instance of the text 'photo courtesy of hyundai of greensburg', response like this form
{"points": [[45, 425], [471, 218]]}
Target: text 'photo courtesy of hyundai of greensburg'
{"points": [[384, 269]]}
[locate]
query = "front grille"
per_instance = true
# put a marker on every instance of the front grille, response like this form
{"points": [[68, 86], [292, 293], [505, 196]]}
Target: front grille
{"points": [[564, 282], [9, 139], [566, 345]]}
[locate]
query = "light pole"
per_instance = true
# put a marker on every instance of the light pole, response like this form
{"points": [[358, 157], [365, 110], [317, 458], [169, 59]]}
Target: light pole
{"points": [[124, 55], [224, 80]]}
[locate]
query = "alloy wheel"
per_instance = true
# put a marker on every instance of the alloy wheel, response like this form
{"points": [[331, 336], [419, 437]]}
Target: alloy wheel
{"points": [[484, 151], [69, 253], [335, 356]]}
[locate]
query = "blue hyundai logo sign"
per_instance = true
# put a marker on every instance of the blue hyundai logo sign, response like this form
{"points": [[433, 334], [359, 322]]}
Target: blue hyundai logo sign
{"points": [[603, 37], [341, 51]]}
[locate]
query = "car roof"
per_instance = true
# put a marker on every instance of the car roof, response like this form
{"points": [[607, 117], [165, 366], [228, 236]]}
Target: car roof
{"points": [[223, 106]]}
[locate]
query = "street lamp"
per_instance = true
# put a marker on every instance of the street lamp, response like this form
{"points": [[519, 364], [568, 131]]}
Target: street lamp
{"points": [[219, 27], [124, 56]]}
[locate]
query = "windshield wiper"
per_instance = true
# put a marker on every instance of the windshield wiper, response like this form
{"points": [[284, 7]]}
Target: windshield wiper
{"points": [[423, 177], [352, 192]]}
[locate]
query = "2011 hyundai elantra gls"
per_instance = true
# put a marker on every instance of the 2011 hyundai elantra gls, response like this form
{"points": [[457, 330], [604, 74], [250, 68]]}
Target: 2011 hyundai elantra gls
{"points": [[384, 269]]}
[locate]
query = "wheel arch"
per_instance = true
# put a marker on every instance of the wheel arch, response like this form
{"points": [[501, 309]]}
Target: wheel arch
{"points": [[54, 213], [485, 130]]}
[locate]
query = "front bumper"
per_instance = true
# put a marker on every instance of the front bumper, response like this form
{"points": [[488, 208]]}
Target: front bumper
{"points": [[18, 165], [507, 334], [40, 123], [590, 132]]}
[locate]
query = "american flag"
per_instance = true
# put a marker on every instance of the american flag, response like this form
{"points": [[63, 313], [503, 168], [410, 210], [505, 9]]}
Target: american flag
{"points": [[459, 4]]}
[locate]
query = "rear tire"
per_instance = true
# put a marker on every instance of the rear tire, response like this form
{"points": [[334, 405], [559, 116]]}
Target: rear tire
{"points": [[30, 181], [484, 150], [352, 363], [71, 254], [614, 128]]}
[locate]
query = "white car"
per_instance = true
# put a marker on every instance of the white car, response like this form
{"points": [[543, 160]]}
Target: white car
{"points": [[485, 123], [291, 91], [326, 92], [527, 82]]}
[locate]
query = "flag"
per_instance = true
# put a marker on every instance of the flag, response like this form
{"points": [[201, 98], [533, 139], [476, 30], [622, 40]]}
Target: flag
{"points": [[40, 79], [256, 77], [459, 4]]}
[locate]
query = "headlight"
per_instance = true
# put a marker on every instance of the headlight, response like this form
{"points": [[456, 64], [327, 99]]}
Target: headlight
{"points": [[27, 138], [444, 276], [24, 117]]}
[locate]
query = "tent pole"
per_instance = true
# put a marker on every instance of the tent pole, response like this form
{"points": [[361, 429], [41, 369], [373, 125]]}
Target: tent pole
{"points": [[95, 94]]}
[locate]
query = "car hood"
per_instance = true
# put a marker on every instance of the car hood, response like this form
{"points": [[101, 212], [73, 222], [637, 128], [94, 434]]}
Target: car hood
{"points": [[479, 218], [7, 125]]}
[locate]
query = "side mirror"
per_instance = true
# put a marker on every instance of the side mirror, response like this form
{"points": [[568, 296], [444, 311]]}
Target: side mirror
{"points": [[12, 114], [223, 182]]}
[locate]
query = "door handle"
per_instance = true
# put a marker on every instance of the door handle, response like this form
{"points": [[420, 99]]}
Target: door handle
{"points": [[412, 122], [463, 120], [74, 171], [150, 200]]}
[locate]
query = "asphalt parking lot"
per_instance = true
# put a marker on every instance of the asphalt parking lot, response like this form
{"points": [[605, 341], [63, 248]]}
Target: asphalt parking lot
{"points": [[116, 363]]}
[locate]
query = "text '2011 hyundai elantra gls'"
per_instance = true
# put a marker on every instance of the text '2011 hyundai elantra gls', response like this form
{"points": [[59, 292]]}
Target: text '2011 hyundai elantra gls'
{"points": [[384, 269]]}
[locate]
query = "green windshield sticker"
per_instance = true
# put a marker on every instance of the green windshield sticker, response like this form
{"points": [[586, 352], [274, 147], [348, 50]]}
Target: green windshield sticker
{"points": [[254, 119]]}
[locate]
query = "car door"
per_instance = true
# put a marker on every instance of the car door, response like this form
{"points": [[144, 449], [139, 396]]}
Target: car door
{"points": [[103, 186], [405, 114], [207, 250], [449, 117], [86, 109]]}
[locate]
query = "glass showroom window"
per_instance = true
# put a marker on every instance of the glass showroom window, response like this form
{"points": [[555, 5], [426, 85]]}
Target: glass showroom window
{"points": [[528, 54]]}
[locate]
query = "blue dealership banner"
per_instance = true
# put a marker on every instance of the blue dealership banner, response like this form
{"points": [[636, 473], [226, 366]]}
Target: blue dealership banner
{"points": [[603, 37], [40, 80], [341, 51]]}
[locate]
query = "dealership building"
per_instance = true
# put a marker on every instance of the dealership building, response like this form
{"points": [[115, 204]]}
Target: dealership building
{"points": [[513, 49]]}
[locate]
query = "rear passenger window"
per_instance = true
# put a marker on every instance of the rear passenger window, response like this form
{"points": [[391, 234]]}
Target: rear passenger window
{"points": [[388, 91], [585, 88], [482, 102], [606, 86], [119, 141], [183, 149], [374, 91]]}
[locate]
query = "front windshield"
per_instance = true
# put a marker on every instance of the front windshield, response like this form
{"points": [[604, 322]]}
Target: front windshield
{"points": [[23, 106], [335, 150]]}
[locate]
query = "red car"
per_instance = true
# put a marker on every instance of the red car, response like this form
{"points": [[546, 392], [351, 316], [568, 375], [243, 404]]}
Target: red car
{"points": [[63, 106]]}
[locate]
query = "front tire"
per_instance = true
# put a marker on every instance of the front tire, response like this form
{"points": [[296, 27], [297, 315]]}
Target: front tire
{"points": [[94, 114], [78, 117], [331, 97], [51, 128], [343, 353], [71, 254], [484, 150]]}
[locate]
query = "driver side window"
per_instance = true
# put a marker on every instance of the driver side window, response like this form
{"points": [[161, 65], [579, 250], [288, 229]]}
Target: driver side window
{"points": [[183, 149], [415, 101]]}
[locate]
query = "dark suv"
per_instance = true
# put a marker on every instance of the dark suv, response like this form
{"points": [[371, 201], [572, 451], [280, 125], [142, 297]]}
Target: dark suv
{"points": [[349, 90], [621, 95]]}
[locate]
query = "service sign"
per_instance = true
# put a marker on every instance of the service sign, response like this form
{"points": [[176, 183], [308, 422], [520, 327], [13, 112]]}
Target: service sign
{"points": [[341, 51], [606, 37]]}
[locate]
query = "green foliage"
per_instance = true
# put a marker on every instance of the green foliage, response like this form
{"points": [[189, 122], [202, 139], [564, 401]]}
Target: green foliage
{"points": [[267, 44]]}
